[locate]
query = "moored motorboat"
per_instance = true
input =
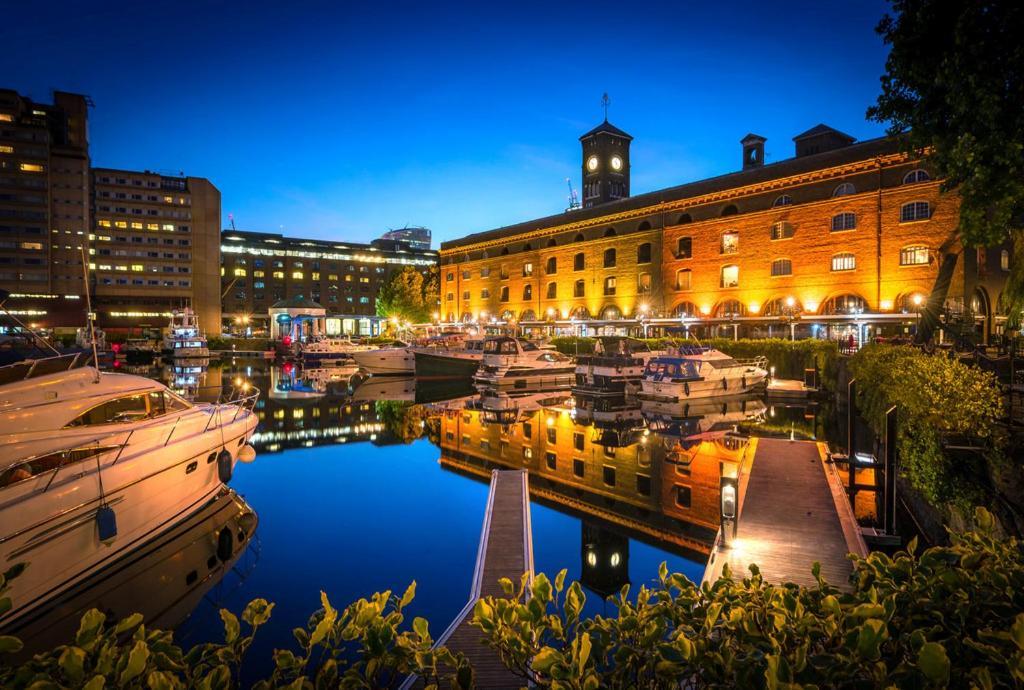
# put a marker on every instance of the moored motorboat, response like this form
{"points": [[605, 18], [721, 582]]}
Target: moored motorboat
{"points": [[392, 359], [614, 368], [511, 364], [184, 339], [94, 464], [700, 372], [458, 362], [322, 350]]}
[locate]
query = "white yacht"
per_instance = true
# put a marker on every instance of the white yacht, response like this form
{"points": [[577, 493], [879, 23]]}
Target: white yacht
{"points": [[457, 361], [184, 339], [511, 364], [325, 349], [700, 372], [393, 359], [95, 464], [613, 369]]}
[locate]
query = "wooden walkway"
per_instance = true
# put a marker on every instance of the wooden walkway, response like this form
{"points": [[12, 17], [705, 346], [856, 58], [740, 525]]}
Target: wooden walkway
{"points": [[505, 550], [793, 512]]}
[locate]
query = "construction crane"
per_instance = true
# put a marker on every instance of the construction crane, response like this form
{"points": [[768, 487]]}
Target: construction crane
{"points": [[574, 200]]}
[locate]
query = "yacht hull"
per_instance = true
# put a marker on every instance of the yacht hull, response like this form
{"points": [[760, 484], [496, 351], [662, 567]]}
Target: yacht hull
{"points": [[671, 391], [386, 362], [438, 366]]}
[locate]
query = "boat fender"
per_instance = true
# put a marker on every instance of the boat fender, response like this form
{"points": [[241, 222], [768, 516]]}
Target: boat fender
{"points": [[246, 453], [725, 386], [225, 545], [686, 388], [743, 382], [224, 466], [106, 523]]}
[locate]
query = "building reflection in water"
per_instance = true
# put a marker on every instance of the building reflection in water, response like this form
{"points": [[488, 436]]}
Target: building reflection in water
{"points": [[164, 580]]}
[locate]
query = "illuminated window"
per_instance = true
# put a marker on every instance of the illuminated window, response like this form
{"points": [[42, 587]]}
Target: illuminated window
{"points": [[643, 284], [782, 267], [730, 243], [31, 167], [844, 262], [915, 210], [240, 272], [136, 226], [916, 255], [279, 275], [297, 275], [527, 292], [152, 226], [730, 276], [528, 269], [1004, 260], [104, 223], [782, 230], [168, 199], [37, 246], [316, 275], [6, 149], [6, 117], [120, 224], [138, 268], [845, 189], [684, 248], [683, 276], [257, 274], [609, 285], [332, 276], [485, 294], [167, 226], [364, 279]]}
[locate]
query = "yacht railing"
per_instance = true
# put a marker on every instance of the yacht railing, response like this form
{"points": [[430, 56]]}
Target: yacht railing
{"points": [[33, 368], [243, 401]]}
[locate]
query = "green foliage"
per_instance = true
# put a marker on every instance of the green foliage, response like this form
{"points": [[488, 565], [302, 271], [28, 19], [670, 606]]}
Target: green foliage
{"points": [[936, 396], [402, 419], [948, 616], [407, 296], [953, 88], [789, 357]]}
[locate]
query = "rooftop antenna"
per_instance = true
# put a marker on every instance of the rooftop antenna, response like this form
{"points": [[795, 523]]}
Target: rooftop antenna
{"points": [[231, 218], [605, 102], [89, 314]]}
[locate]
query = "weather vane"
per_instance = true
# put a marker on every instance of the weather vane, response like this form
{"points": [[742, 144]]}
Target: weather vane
{"points": [[605, 102]]}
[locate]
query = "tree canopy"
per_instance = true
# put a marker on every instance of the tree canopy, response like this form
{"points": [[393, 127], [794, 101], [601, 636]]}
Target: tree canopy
{"points": [[954, 89], [405, 296]]}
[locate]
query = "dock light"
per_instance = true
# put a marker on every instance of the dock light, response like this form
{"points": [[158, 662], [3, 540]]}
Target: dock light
{"points": [[551, 312], [771, 372], [565, 313], [811, 306], [644, 308], [885, 304], [754, 307], [239, 381], [435, 316], [551, 420], [917, 300], [728, 498], [705, 310], [790, 302]]}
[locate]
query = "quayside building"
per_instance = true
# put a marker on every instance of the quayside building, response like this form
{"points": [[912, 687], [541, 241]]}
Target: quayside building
{"points": [[843, 239]]}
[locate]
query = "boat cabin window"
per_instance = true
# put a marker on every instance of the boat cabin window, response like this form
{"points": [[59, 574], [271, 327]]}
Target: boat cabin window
{"points": [[130, 408], [528, 346], [44, 463], [501, 347], [551, 357]]}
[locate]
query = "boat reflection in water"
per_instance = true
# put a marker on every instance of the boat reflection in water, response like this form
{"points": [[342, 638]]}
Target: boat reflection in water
{"points": [[164, 580], [655, 477]]}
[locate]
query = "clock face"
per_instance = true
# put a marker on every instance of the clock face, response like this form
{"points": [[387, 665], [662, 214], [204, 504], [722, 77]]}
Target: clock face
{"points": [[592, 163], [616, 163]]}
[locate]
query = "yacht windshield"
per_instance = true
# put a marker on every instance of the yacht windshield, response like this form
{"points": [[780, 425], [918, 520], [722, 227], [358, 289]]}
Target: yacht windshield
{"points": [[130, 408]]}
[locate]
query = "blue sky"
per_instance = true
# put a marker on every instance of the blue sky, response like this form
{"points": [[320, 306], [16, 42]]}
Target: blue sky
{"points": [[342, 119]]}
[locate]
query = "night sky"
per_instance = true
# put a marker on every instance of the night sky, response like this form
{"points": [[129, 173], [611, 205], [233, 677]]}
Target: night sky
{"points": [[342, 119]]}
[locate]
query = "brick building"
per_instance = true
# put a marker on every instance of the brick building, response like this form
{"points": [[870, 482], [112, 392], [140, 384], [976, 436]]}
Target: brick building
{"points": [[844, 235]]}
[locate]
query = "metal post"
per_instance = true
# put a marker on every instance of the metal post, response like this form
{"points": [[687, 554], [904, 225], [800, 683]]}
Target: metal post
{"points": [[889, 492], [851, 431]]}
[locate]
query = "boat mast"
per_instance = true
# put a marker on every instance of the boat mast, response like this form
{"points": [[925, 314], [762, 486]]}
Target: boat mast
{"points": [[89, 314]]}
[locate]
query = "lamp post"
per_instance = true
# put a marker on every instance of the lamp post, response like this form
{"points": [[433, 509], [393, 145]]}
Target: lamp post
{"points": [[729, 492], [918, 300]]}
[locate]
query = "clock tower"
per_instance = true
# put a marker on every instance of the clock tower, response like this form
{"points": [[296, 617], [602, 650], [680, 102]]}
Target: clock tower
{"points": [[605, 164]]}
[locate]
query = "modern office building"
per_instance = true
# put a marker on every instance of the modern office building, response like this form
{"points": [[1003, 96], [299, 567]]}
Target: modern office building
{"points": [[415, 237], [842, 235], [153, 240], [262, 269]]}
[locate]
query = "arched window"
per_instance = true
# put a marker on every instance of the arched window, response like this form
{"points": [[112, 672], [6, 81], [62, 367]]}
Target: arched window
{"points": [[579, 262], [781, 306], [466, 317], [609, 258], [844, 221], [782, 267], [910, 302], [579, 313], [915, 210], [609, 285], [844, 304], [683, 279], [504, 251], [527, 247], [552, 292], [730, 210], [643, 253], [484, 254], [528, 315], [579, 237], [730, 276], [610, 232], [551, 266], [643, 226], [844, 261], [915, 255], [685, 310], [527, 292], [784, 200], [845, 189], [579, 288], [917, 175], [611, 313], [552, 242], [684, 219], [730, 308], [508, 315], [782, 230]]}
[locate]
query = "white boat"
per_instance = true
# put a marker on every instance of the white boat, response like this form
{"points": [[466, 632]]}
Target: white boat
{"points": [[459, 361], [700, 372], [324, 349], [511, 364], [615, 367], [394, 359], [184, 339], [83, 339], [95, 464]]}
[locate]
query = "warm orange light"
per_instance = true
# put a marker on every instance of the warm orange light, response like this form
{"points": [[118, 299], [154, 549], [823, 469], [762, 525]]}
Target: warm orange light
{"points": [[885, 304], [811, 306], [790, 302], [705, 310], [917, 300], [565, 313], [754, 307]]}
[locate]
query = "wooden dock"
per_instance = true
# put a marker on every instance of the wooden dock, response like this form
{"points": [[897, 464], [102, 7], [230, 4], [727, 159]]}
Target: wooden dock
{"points": [[505, 550], [793, 511]]}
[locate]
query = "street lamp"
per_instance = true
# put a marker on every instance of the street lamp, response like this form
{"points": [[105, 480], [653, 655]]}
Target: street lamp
{"points": [[729, 491]]}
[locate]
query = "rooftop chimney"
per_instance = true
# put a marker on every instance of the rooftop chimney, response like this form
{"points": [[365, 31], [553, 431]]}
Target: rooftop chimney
{"points": [[819, 139]]}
